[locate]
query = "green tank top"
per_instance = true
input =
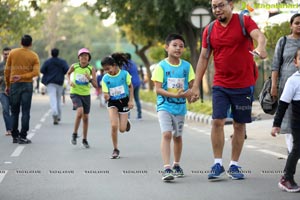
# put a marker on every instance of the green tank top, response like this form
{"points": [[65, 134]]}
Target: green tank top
{"points": [[82, 85]]}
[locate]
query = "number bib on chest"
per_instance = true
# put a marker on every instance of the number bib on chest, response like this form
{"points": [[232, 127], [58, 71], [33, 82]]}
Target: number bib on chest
{"points": [[81, 79], [117, 91], [174, 84]]}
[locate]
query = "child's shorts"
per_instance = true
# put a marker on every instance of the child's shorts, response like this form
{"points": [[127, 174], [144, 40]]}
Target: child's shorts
{"points": [[120, 104], [81, 101], [169, 122]]}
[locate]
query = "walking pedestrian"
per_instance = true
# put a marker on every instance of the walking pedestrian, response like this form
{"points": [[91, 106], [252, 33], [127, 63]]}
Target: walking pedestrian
{"points": [[99, 88], [284, 60], [84, 74], [4, 99], [54, 70], [136, 83], [118, 92], [172, 77], [21, 67], [233, 80], [290, 95]]}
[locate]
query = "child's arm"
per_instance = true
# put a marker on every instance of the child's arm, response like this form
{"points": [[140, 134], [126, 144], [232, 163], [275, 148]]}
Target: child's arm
{"points": [[159, 90], [69, 72], [93, 80]]}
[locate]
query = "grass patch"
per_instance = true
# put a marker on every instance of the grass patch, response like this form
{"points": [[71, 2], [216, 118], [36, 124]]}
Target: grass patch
{"points": [[197, 107]]}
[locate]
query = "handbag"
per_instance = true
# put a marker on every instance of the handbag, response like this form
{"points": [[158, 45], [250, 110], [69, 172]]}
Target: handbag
{"points": [[267, 102]]}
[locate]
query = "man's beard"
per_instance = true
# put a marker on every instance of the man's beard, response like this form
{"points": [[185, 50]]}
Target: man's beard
{"points": [[222, 19]]}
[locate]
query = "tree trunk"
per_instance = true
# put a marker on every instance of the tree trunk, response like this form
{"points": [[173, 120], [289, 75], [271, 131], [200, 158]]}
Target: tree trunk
{"points": [[141, 53], [192, 39]]}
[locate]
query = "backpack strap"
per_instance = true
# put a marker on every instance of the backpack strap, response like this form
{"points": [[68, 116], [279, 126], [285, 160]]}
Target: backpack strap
{"points": [[210, 26], [242, 22], [281, 53]]}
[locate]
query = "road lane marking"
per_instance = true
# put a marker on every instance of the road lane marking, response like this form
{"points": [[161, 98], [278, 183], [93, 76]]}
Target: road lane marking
{"points": [[18, 151], [30, 135], [2, 175], [38, 126], [251, 147], [272, 153]]}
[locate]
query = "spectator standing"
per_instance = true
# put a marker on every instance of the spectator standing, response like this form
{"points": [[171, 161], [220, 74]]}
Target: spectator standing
{"points": [[287, 68], [21, 67], [4, 99], [54, 70]]}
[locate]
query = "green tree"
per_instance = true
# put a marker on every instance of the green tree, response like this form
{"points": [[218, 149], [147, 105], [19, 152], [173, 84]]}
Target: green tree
{"points": [[15, 20], [145, 22], [71, 28]]}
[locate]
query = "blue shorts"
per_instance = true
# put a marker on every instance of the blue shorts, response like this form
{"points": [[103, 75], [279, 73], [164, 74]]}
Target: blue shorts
{"points": [[239, 101]]}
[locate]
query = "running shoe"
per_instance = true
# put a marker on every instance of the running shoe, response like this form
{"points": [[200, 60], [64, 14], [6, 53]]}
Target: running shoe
{"points": [[74, 137], [128, 126], [177, 171], [167, 175], [85, 143], [288, 185], [235, 172], [217, 172], [115, 154], [24, 141]]}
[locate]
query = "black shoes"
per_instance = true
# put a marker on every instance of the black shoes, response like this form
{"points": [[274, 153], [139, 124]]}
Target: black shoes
{"points": [[21, 141]]}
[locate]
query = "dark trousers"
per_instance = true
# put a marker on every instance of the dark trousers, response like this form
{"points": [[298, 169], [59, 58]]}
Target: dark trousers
{"points": [[20, 97], [292, 160], [136, 95]]}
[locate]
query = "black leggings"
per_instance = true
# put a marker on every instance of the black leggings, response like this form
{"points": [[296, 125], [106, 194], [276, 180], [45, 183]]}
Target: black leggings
{"points": [[291, 163]]}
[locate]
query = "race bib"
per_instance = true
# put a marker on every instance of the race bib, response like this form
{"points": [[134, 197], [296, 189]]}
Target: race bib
{"points": [[174, 84], [81, 79], [117, 91]]}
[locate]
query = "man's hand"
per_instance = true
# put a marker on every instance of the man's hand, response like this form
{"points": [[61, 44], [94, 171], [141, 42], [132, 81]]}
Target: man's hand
{"points": [[275, 131], [16, 78], [195, 93]]}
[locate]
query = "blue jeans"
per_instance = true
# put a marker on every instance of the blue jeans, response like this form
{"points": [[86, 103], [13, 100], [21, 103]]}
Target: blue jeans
{"points": [[136, 96], [4, 99], [20, 96]]}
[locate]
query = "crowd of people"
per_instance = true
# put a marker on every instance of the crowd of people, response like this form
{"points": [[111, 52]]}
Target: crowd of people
{"points": [[176, 83]]}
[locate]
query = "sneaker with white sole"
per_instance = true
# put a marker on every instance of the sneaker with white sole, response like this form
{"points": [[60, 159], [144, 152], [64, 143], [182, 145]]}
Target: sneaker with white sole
{"points": [[177, 171], [85, 143], [167, 175], [235, 172], [115, 154], [288, 185], [74, 139], [217, 172]]}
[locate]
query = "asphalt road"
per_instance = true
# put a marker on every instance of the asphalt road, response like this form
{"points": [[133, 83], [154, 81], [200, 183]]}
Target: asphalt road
{"points": [[51, 168]]}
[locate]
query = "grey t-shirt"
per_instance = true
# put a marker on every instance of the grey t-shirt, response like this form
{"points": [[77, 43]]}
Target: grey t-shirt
{"points": [[287, 69]]}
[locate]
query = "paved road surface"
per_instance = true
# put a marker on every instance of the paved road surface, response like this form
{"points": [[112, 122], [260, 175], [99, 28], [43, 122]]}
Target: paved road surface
{"points": [[51, 168]]}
